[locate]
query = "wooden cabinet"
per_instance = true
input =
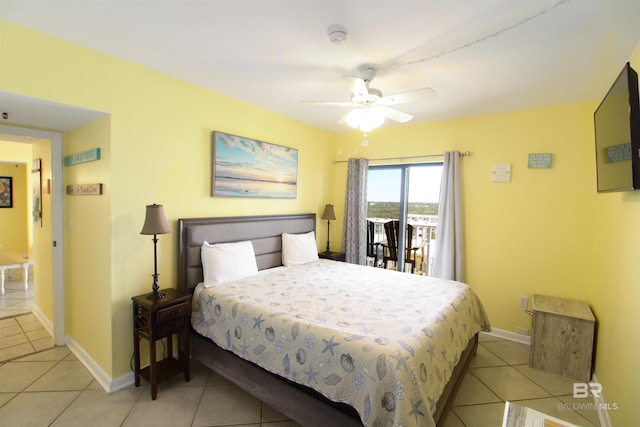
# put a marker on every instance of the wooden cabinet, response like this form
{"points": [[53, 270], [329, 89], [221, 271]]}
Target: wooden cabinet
{"points": [[563, 334], [154, 319]]}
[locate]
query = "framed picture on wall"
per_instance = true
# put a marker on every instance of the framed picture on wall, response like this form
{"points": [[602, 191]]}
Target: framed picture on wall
{"points": [[36, 171], [6, 191], [244, 167]]}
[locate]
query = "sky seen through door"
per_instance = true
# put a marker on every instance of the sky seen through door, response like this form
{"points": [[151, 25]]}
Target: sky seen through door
{"points": [[383, 185]]}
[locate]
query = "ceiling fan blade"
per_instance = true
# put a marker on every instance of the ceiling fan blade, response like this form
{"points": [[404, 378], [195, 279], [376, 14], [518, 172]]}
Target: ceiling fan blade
{"points": [[340, 104], [396, 115], [406, 97], [357, 85]]}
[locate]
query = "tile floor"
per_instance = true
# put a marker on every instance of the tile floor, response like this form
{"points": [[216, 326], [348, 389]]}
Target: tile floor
{"points": [[20, 331], [52, 388], [15, 299], [500, 372], [21, 335]]}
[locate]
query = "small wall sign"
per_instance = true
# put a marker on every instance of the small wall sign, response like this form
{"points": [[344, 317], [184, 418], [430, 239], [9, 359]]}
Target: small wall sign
{"points": [[501, 172], [84, 189], [540, 160], [85, 156]]}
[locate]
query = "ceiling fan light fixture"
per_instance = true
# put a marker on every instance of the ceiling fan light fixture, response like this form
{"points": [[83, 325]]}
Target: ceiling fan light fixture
{"points": [[366, 119], [354, 118], [375, 116]]}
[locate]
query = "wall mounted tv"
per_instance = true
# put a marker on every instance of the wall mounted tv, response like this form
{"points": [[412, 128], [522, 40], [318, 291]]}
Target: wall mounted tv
{"points": [[617, 130]]}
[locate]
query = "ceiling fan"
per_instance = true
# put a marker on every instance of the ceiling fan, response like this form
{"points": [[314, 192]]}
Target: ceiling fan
{"points": [[371, 106]]}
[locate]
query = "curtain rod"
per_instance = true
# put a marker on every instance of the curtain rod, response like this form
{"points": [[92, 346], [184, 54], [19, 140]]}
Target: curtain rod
{"points": [[466, 153]]}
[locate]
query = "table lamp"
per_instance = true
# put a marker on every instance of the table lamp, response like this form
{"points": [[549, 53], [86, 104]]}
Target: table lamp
{"points": [[330, 215], [155, 223]]}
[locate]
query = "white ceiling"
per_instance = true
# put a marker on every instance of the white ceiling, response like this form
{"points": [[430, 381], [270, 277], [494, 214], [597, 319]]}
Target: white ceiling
{"points": [[480, 56]]}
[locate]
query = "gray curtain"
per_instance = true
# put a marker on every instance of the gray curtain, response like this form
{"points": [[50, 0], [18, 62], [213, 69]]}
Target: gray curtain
{"points": [[354, 236], [448, 262]]}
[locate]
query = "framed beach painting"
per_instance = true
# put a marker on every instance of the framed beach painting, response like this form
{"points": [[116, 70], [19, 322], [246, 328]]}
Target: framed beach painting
{"points": [[244, 167]]}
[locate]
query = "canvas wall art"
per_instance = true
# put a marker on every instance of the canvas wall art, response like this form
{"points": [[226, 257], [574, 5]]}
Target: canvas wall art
{"points": [[244, 167], [36, 178]]}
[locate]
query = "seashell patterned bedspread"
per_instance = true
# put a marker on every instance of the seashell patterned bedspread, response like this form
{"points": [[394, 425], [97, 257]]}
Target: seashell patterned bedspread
{"points": [[381, 341]]}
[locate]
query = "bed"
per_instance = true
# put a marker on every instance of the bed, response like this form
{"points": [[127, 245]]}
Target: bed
{"points": [[338, 376]]}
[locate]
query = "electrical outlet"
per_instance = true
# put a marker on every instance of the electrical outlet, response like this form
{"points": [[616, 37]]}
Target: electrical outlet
{"points": [[522, 331], [524, 302]]}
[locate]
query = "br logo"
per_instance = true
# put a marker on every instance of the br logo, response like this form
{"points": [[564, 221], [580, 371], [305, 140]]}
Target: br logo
{"points": [[582, 390]]}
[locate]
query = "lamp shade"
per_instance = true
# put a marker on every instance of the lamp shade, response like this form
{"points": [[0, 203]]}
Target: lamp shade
{"points": [[155, 221], [329, 213]]}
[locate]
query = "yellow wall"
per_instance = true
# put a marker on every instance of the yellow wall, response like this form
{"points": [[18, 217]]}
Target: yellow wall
{"points": [[87, 238], [160, 152], [616, 294], [14, 230]]}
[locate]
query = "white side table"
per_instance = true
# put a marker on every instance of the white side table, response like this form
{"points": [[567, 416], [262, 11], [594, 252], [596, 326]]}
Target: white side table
{"points": [[9, 261]]}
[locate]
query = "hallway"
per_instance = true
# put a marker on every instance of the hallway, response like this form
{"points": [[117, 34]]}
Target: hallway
{"points": [[21, 333]]}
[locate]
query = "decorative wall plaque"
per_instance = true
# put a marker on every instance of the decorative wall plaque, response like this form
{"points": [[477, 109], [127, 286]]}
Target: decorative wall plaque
{"points": [[85, 156], [540, 161], [84, 189]]}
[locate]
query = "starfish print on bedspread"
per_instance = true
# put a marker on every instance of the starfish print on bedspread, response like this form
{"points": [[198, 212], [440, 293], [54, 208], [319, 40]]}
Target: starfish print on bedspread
{"points": [[415, 410], [200, 319], [312, 375], [245, 347], [258, 321], [329, 345], [432, 351], [402, 360]]}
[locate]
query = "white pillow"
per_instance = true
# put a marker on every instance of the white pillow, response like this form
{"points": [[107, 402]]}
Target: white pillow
{"points": [[224, 262], [299, 248]]}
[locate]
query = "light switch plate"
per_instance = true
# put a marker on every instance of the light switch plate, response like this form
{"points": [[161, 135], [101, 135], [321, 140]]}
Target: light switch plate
{"points": [[501, 172]]}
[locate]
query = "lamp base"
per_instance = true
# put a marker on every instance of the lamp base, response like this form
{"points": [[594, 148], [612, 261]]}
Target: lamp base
{"points": [[156, 295], [328, 235]]}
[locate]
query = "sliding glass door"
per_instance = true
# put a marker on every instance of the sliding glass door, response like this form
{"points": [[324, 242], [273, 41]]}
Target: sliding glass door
{"points": [[409, 194]]}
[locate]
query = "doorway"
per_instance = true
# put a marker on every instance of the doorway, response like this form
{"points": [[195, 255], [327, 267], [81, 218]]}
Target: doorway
{"points": [[410, 195], [57, 215]]}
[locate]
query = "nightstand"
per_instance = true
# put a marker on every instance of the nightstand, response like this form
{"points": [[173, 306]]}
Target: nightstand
{"points": [[154, 319], [336, 256], [562, 338]]}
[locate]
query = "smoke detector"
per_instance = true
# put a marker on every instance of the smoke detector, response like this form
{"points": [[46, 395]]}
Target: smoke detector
{"points": [[337, 33]]}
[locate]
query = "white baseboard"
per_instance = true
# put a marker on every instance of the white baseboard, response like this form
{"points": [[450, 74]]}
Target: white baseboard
{"points": [[508, 335], [602, 407], [123, 381], [100, 375]]}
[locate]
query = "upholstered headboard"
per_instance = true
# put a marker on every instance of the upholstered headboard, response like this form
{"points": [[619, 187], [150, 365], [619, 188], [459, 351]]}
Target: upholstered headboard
{"points": [[263, 231]]}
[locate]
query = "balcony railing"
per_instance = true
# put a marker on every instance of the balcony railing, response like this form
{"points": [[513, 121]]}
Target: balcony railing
{"points": [[424, 236]]}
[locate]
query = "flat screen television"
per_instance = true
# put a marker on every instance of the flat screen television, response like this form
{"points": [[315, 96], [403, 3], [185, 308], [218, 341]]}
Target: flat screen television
{"points": [[617, 131]]}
